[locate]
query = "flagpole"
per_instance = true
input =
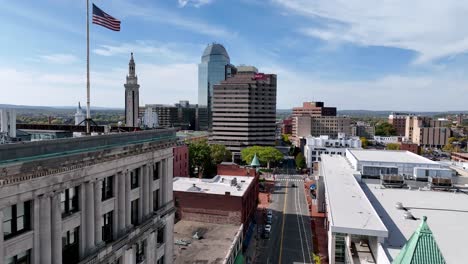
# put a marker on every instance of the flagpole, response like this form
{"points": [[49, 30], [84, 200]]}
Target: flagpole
{"points": [[88, 114]]}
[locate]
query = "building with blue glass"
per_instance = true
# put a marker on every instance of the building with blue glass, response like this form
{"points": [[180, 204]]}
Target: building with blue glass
{"points": [[214, 67]]}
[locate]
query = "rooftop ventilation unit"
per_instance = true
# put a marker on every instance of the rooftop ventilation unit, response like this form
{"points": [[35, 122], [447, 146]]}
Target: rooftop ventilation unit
{"points": [[440, 183], [408, 215], [399, 206], [392, 181]]}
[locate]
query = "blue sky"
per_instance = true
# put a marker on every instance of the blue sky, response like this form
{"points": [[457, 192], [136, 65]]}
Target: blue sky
{"points": [[354, 54]]}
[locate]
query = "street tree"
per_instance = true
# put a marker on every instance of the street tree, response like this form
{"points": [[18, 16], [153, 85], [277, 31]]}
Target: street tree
{"points": [[199, 157], [300, 161], [266, 155], [219, 153]]}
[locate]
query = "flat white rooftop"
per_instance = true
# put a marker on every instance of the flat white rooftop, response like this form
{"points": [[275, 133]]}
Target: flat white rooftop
{"points": [[220, 184], [349, 210], [395, 156], [447, 217]]}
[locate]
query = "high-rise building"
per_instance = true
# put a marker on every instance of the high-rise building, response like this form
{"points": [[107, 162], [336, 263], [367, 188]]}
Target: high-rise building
{"points": [[362, 129], [182, 115], [132, 95], [398, 121], [99, 199], [214, 67], [309, 109], [320, 126], [244, 110], [427, 132]]}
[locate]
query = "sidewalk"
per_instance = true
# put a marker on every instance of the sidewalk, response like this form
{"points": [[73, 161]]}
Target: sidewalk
{"points": [[319, 232]]}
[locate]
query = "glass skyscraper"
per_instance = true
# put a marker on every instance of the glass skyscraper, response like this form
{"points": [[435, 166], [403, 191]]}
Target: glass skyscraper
{"points": [[214, 67]]}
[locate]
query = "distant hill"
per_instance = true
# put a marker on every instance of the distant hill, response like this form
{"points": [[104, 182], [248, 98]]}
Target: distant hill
{"points": [[51, 108], [370, 113]]}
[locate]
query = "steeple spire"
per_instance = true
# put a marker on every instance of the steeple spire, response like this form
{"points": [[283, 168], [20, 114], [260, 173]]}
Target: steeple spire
{"points": [[131, 66]]}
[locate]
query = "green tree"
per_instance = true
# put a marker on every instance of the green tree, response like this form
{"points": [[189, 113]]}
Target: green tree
{"points": [[219, 153], [385, 129], [300, 161], [199, 157], [266, 155], [364, 142], [393, 146], [285, 138]]}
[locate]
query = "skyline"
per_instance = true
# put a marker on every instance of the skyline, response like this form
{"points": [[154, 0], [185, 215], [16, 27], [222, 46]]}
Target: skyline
{"points": [[322, 50]]}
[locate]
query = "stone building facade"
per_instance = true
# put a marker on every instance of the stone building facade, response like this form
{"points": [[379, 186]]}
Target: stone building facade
{"points": [[100, 199]]}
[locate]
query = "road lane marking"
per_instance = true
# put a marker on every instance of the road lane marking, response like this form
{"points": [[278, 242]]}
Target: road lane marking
{"points": [[297, 207], [303, 225], [282, 224]]}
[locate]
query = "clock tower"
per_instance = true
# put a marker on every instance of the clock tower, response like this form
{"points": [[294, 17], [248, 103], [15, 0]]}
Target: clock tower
{"points": [[132, 95]]}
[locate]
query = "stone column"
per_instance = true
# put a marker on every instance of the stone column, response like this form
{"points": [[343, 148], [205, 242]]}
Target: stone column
{"points": [[170, 176], [150, 187], [128, 212], [2, 250], [144, 190], [169, 239], [141, 176], [97, 212], [45, 230], [83, 230], [56, 230], [90, 225], [121, 201], [36, 252]]}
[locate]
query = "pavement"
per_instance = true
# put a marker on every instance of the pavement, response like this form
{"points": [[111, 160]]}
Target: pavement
{"points": [[290, 239]]}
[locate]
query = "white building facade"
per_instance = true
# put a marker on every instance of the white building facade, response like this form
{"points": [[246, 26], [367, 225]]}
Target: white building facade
{"points": [[316, 146], [8, 122], [111, 205]]}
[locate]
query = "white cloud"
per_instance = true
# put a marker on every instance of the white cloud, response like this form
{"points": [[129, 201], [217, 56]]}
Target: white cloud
{"points": [[171, 52], [159, 84], [60, 58], [432, 28], [196, 3], [437, 92], [165, 16]]}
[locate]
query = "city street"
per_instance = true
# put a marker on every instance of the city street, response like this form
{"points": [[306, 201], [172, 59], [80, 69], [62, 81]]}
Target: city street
{"points": [[290, 240]]}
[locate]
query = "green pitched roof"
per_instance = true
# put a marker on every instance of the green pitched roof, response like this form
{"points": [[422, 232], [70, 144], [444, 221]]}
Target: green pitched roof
{"points": [[255, 162], [421, 248]]}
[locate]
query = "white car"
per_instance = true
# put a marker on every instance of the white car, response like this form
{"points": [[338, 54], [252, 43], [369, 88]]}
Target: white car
{"points": [[267, 228]]}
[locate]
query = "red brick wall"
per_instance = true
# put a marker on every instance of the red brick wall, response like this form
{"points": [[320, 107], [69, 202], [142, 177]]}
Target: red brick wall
{"points": [[411, 147], [219, 209], [181, 162], [234, 170]]}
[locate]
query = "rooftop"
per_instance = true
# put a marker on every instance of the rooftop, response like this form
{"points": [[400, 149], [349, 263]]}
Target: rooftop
{"points": [[349, 209], [215, 49], [395, 156], [447, 215], [220, 184], [213, 248]]}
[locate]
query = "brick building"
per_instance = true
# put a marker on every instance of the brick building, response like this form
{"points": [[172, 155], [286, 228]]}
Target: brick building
{"points": [[286, 126], [398, 121], [411, 147], [220, 200], [181, 160], [231, 168]]}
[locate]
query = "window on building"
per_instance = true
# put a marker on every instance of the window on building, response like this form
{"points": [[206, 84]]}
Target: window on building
{"points": [[71, 246], [160, 261], [22, 258], [156, 200], [160, 236], [156, 171], [107, 231], [140, 252], [69, 201], [16, 219], [134, 175], [108, 188], [134, 212]]}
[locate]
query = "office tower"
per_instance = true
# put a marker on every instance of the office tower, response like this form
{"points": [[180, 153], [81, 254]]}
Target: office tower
{"points": [[244, 110], [214, 67], [132, 95], [309, 109]]}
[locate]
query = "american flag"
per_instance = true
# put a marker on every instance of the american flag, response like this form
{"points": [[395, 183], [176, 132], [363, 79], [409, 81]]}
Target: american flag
{"points": [[101, 18]]}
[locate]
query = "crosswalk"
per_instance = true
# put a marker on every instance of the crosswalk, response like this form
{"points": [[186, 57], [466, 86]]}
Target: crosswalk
{"points": [[290, 180]]}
